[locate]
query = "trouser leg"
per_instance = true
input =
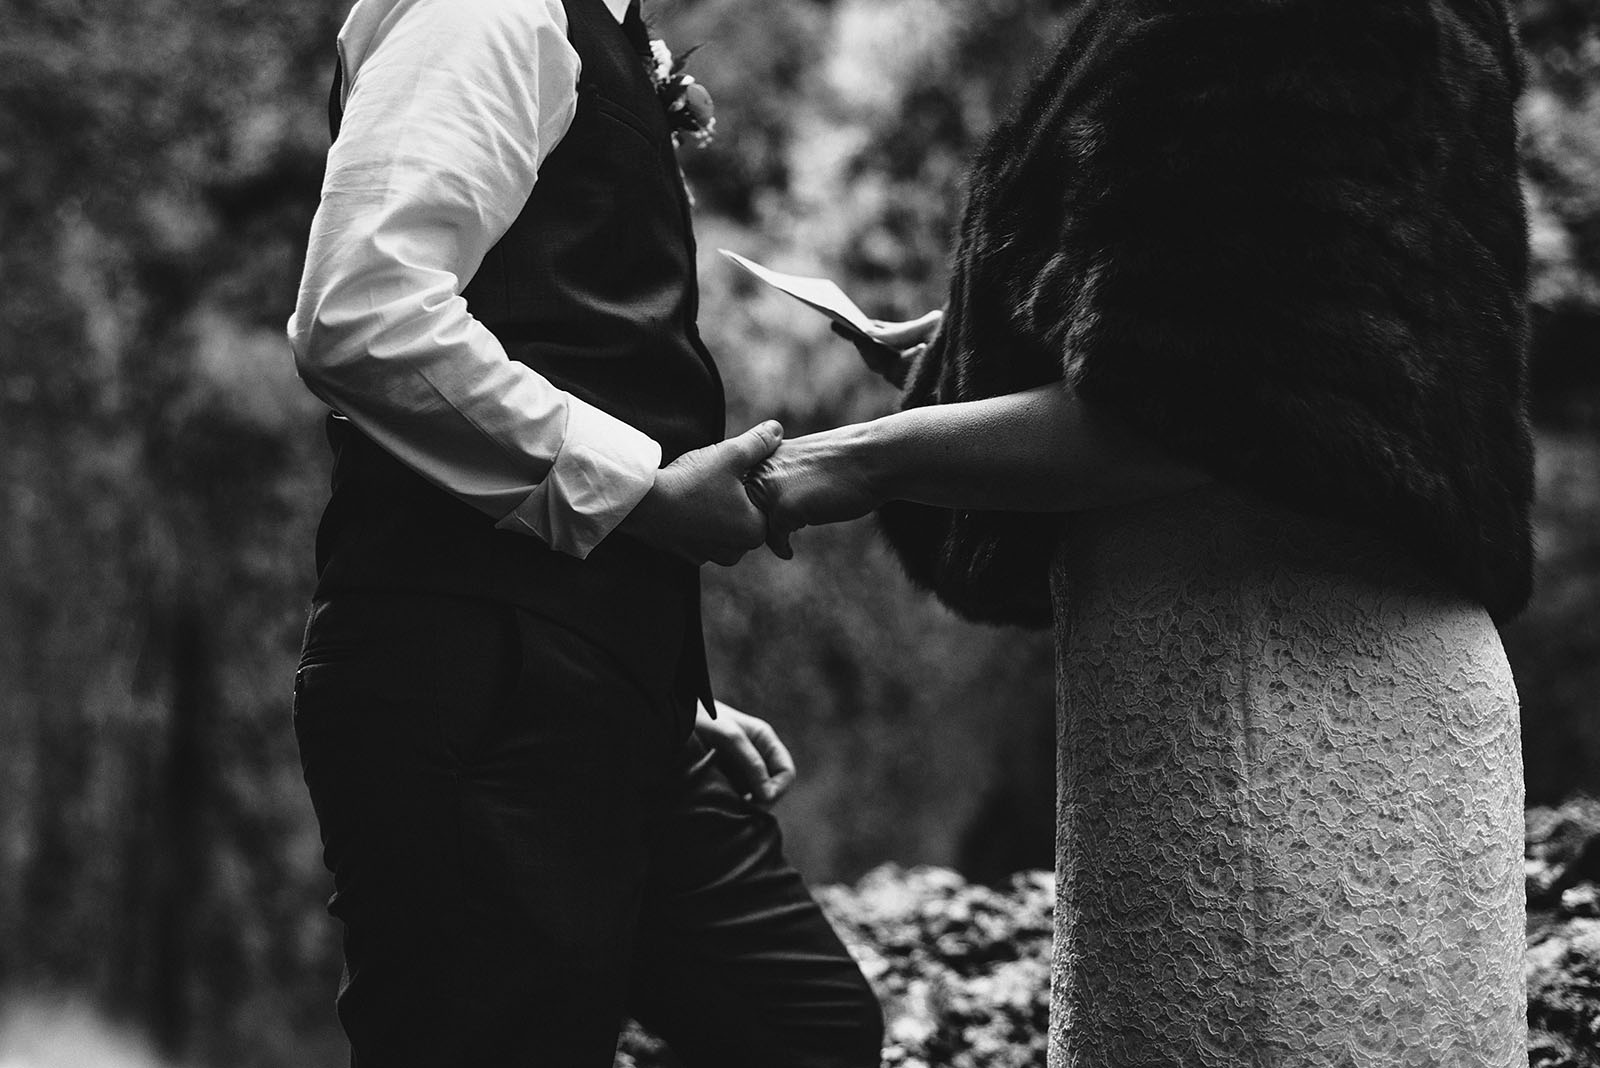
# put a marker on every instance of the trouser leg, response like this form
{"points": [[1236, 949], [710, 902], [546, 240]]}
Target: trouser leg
{"points": [[482, 780], [734, 964]]}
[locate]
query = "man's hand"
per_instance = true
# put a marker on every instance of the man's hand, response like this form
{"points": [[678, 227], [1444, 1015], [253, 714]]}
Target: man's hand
{"points": [[698, 508], [750, 751], [819, 478], [889, 349]]}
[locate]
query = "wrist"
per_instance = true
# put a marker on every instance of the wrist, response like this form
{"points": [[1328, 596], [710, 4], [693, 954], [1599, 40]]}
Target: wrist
{"points": [[643, 520], [874, 454]]}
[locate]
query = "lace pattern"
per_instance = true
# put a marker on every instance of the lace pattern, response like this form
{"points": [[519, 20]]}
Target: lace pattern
{"points": [[1290, 800]]}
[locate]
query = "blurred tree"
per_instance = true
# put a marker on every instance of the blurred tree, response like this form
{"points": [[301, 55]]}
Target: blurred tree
{"points": [[154, 187], [1553, 646]]}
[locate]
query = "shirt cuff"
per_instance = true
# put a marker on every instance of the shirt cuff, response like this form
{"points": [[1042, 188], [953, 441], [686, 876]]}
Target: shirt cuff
{"points": [[603, 469]]}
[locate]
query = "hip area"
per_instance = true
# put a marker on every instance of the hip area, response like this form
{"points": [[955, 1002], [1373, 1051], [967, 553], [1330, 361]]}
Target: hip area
{"points": [[1244, 689], [415, 644], [1225, 576]]}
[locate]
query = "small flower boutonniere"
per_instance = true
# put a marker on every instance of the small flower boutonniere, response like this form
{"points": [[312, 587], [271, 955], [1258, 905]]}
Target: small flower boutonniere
{"points": [[688, 104]]}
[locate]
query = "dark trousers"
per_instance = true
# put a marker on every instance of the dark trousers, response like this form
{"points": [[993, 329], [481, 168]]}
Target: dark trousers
{"points": [[526, 846]]}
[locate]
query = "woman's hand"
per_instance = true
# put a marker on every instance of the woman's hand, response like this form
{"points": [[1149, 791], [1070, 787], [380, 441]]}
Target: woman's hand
{"points": [[889, 349], [751, 752], [820, 478]]}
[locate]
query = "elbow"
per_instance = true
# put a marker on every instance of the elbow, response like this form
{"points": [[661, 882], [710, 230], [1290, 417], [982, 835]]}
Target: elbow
{"points": [[308, 364], [330, 350], [308, 342], [354, 331], [317, 373]]}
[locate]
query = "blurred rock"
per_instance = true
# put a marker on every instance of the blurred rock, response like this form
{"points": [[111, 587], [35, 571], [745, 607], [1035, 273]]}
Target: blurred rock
{"points": [[1563, 962], [1581, 900], [638, 1048], [1563, 848]]}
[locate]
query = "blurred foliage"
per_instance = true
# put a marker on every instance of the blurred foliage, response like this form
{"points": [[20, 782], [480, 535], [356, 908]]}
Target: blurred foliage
{"points": [[963, 970], [1563, 963], [161, 470]]}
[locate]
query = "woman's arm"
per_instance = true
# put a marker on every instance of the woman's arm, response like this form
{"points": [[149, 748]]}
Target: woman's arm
{"points": [[1042, 450]]}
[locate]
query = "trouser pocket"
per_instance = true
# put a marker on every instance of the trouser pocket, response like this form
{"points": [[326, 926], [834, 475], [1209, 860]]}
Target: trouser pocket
{"points": [[424, 680]]}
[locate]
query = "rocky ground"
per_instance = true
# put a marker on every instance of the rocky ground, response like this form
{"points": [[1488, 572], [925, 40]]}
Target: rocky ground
{"points": [[963, 970], [1563, 964]]}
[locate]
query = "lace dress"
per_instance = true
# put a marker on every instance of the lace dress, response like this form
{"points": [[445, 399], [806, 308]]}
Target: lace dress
{"points": [[1290, 804]]}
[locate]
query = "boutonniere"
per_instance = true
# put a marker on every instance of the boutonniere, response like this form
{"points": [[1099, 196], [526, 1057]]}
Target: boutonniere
{"points": [[687, 103]]}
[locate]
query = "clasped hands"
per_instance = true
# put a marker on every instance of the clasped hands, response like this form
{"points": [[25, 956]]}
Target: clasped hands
{"points": [[717, 503]]}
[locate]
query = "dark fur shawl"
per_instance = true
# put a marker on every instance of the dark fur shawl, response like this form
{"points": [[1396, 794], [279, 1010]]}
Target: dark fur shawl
{"points": [[1285, 240]]}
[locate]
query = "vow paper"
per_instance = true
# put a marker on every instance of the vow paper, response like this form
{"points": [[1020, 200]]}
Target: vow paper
{"points": [[823, 294]]}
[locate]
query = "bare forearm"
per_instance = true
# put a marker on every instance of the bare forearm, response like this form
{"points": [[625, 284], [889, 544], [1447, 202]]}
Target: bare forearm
{"points": [[1038, 451], [1043, 450]]}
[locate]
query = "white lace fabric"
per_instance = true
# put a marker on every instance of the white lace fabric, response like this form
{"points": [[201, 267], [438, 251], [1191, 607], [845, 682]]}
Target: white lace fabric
{"points": [[1290, 800]]}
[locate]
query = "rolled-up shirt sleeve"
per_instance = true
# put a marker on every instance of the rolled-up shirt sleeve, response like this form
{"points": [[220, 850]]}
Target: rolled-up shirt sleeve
{"points": [[450, 108]]}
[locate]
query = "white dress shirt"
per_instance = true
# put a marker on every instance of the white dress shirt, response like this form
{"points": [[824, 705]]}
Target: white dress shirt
{"points": [[450, 108]]}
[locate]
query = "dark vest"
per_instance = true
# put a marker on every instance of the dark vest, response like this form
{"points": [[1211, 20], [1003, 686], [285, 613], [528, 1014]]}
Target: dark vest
{"points": [[594, 287]]}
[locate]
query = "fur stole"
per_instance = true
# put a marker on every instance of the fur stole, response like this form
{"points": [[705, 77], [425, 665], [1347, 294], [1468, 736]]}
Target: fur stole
{"points": [[1283, 239]]}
